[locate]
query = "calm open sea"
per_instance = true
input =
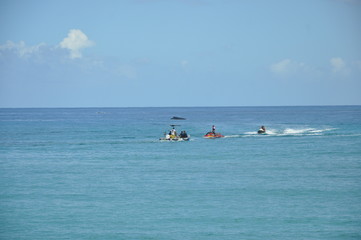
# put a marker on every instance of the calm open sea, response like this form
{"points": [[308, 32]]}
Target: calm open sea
{"points": [[102, 173]]}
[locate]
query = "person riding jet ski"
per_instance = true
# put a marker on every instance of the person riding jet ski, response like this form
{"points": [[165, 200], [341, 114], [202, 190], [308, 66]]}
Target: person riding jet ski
{"points": [[262, 130], [213, 133]]}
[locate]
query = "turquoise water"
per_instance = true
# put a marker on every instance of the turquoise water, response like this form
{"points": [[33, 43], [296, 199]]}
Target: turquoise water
{"points": [[103, 174]]}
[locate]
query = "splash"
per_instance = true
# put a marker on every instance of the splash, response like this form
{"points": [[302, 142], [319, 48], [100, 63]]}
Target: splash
{"points": [[304, 131], [291, 131]]}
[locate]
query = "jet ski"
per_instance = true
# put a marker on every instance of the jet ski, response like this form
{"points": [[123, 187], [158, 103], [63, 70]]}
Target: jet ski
{"points": [[213, 135], [262, 130]]}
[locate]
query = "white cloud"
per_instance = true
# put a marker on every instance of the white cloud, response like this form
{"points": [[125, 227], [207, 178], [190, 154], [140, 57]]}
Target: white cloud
{"points": [[337, 64], [127, 71], [287, 66], [20, 49], [281, 67], [75, 41]]}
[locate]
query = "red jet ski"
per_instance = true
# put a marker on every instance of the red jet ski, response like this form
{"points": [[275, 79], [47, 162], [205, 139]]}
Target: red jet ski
{"points": [[213, 135]]}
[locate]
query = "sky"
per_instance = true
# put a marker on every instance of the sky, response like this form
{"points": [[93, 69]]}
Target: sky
{"points": [[172, 53]]}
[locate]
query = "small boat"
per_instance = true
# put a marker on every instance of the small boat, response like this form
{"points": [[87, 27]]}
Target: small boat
{"points": [[177, 118], [213, 135], [173, 136]]}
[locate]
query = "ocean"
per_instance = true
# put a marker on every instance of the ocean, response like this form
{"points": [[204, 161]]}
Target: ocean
{"points": [[102, 173]]}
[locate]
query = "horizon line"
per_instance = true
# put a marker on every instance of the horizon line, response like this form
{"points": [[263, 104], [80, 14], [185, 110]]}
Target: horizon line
{"points": [[234, 106]]}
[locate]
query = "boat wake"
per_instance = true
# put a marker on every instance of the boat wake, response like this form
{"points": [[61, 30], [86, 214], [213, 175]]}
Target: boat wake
{"points": [[233, 136], [292, 132]]}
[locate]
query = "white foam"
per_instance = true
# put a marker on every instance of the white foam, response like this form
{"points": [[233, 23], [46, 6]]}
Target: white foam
{"points": [[232, 136], [317, 131], [291, 132], [305, 131], [271, 132], [250, 133]]}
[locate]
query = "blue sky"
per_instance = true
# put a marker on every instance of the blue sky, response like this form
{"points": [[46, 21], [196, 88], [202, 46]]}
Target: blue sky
{"points": [[141, 53]]}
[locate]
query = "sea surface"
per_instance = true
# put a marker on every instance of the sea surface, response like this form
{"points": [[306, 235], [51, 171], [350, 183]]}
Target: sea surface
{"points": [[102, 173]]}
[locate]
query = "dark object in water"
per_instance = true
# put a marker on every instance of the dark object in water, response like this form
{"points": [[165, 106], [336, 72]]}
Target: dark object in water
{"points": [[177, 118]]}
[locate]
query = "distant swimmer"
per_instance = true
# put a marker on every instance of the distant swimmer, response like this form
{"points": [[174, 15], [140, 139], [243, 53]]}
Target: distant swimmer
{"points": [[261, 130]]}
